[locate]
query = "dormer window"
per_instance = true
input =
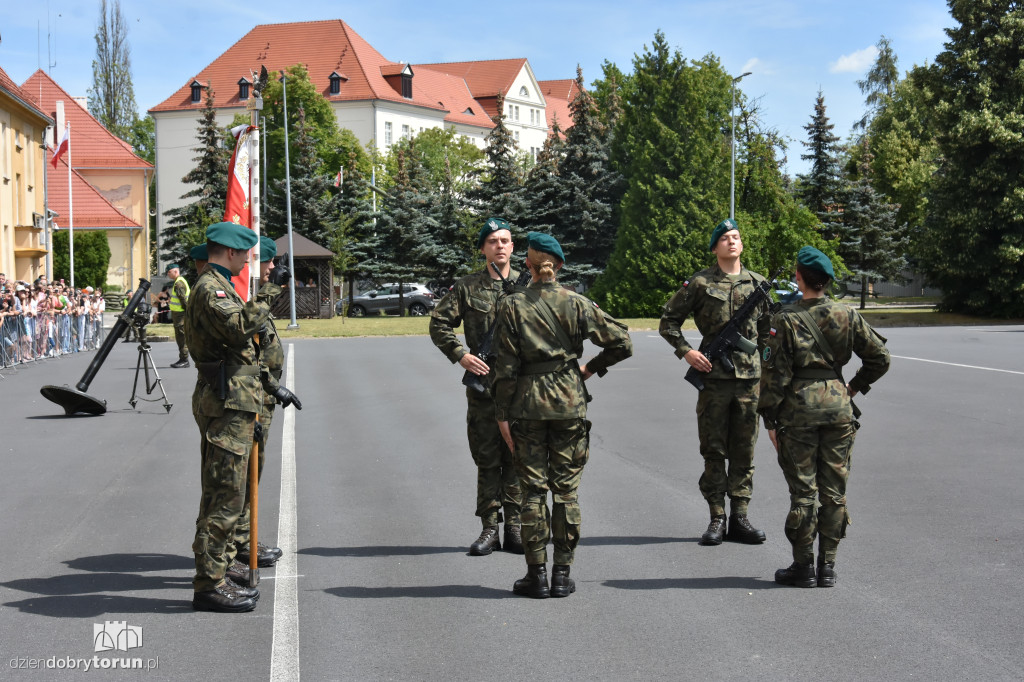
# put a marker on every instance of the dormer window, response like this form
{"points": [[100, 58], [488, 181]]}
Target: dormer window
{"points": [[197, 91], [243, 89], [407, 85], [335, 79], [469, 111], [399, 77]]}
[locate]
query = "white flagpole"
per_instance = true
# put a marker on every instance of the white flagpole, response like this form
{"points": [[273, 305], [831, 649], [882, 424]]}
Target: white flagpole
{"points": [[71, 213], [255, 105]]}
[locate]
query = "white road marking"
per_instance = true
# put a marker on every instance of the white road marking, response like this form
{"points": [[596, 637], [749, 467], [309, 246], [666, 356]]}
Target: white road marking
{"points": [[284, 657], [956, 364]]}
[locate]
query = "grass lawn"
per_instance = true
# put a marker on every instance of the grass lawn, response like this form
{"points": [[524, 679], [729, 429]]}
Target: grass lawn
{"points": [[391, 325]]}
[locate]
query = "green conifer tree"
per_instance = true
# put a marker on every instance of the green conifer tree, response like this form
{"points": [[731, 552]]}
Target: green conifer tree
{"points": [[817, 189], [499, 192]]}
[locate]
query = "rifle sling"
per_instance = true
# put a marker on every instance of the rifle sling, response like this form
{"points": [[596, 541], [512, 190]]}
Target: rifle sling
{"points": [[826, 349], [561, 336]]}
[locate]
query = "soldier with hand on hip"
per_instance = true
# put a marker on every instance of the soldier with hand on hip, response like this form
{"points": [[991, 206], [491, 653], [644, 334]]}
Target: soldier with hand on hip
{"points": [[808, 410]]}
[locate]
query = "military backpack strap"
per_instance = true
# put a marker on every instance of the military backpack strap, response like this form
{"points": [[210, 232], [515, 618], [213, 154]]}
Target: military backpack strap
{"points": [[826, 349], [561, 336]]}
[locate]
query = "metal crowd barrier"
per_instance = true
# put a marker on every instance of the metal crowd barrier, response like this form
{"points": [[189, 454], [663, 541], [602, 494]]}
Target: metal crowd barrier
{"points": [[48, 335]]}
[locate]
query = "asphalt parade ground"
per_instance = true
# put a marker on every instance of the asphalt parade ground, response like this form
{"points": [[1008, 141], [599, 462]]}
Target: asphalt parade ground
{"points": [[370, 490]]}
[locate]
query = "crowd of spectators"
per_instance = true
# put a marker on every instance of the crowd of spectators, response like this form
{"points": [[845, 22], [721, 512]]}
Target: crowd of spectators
{"points": [[45, 319]]}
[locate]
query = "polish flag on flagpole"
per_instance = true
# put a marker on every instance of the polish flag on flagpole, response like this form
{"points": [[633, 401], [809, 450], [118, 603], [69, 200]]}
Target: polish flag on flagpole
{"points": [[62, 146], [237, 208], [337, 179]]}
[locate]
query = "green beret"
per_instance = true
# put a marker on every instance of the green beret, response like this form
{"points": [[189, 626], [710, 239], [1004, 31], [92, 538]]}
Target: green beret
{"points": [[268, 249], [811, 258], [538, 241], [173, 266], [720, 229], [232, 235], [199, 253], [491, 225]]}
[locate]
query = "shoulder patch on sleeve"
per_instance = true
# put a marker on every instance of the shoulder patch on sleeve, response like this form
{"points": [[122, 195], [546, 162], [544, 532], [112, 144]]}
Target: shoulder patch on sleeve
{"points": [[767, 352], [221, 294]]}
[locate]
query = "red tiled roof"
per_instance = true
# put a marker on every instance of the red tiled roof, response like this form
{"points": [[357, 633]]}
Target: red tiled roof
{"points": [[485, 78], [92, 145], [92, 210], [558, 94], [322, 47], [7, 84]]}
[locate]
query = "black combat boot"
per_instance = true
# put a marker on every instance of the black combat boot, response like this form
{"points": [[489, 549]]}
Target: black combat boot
{"points": [[180, 364], [797, 575], [561, 584], [242, 589], [265, 557], [826, 573], [534, 583], [513, 539], [222, 599], [740, 530], [486, 543], [239, 572], [715, 532]]}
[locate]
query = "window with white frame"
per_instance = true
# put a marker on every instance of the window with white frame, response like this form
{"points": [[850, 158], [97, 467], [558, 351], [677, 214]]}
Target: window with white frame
{"points": [[517, 136], [387, 133], [406, 131], [517, 112]]}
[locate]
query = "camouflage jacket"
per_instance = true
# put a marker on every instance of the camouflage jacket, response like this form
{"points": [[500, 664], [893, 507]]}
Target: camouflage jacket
{"points": [[787, 399], [472, 301], [524, 339], [271, 350], [713, 297], [219, 327]]}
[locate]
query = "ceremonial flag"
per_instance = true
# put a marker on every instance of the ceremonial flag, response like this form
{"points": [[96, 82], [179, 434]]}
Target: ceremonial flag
{"points": [[62, 146], [237, 208], [337, 180]]}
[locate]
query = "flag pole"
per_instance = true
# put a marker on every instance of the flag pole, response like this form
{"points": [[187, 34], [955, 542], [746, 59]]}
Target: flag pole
{"points": [[71, 212], [254, 105]]}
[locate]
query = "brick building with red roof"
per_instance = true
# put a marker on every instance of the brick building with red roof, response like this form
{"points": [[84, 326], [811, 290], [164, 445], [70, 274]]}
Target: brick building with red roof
{"points": [[109, 182], [379, 100]]}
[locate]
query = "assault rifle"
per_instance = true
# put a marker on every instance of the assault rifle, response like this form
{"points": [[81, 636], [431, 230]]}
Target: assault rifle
{"points": [[485, 353], [730, 337]]}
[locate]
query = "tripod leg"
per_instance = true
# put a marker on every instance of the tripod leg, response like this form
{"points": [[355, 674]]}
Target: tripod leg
{"points": [[158, 382], [135, 385]]}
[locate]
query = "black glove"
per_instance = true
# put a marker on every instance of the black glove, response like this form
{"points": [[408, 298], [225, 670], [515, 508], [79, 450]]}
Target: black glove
{"points": [[279, 275], [286, 398]]}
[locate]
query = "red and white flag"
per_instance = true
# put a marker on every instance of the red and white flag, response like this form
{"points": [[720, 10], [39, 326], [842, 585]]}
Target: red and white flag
{"points": [[237, 208], [62, 146], [337, 179]]}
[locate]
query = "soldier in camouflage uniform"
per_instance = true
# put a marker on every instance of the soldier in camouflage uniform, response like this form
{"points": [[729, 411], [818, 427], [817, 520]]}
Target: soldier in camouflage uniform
{"points": [[271, 366], [472, 302], [727, 407], [220, 327], [541, 406], [808, 411]]}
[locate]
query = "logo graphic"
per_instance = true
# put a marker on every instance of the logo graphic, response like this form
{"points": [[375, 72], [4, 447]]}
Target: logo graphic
{"points": [[116, 635]]}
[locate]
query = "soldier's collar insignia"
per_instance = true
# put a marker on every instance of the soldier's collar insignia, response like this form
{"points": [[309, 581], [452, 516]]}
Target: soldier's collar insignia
{"points": [[767, 353]]}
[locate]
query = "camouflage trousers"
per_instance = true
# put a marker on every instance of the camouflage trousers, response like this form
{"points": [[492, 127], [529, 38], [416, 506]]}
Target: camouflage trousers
{"points": [[241, 539], [224, 473], [178, 320], [550, 455], [496, 482], [727, 427], [816, 463]]}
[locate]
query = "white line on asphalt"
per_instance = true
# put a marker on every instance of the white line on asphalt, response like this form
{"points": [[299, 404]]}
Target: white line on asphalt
{"points": [[284, 657], [956, 364]]}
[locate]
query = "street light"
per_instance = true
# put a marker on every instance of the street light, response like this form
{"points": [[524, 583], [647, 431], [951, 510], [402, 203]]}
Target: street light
{"points": [[732, 176]]}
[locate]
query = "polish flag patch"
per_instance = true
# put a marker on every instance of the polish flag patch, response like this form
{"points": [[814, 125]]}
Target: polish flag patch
{"points": [[772, 332], [221, 294]]}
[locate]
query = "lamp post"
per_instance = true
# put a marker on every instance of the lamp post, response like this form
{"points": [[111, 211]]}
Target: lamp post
{"points": [[288, 203], [732, 175]]}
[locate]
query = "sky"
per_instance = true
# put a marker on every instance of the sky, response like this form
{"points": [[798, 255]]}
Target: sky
{"points": [[793, 48]]}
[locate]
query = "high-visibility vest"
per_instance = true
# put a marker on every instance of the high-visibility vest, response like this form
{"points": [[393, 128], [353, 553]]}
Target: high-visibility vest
{"points": [[177, 305]]}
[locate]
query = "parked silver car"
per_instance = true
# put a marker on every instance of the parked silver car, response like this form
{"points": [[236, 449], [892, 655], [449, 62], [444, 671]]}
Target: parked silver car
{"points": [[417, 298]]}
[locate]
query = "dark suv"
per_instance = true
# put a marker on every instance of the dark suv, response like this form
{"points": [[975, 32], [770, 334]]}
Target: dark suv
{"points": [[417, 298]]}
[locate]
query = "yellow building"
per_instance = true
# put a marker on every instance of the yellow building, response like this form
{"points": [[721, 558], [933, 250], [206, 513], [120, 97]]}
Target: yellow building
{"points": [[22, 180], [109, 182]]}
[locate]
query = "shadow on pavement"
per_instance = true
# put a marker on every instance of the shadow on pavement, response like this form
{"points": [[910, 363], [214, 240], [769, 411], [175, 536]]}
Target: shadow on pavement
{"points": [[425, 591], [721, 583], [95, 605], [131, 563], [379, 550], [88, 583], [630, 540]]}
